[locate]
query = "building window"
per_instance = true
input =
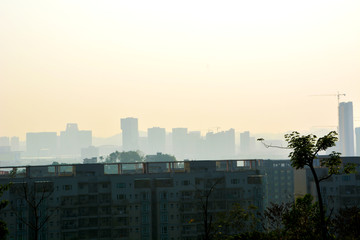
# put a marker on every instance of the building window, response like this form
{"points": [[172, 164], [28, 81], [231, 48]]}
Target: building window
{"points": [[67, 187], [145, 208], [163, 207], [145, 196], [346, 178], [164, 218], [145, 219], [234, 181], [120, 185], [164, 230], [163, 195], [186, 182], [121, 197]]}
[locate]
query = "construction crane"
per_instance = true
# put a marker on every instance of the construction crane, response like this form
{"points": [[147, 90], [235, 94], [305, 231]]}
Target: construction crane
{"points": [[338, 95]]}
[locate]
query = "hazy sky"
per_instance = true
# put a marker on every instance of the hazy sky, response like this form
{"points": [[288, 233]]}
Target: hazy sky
{"points": [[249, 65]]}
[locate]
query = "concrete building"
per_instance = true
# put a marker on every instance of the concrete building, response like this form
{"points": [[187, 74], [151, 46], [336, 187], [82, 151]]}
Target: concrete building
{"points": [[41, 144], [4, 141], [130, 134], [338, 191], [346, 129], [129, 201], [245, 143], [279, 181], [72, 140], [156, 140], [180, 142], [357, 134], [220, 145], [15, 143]]}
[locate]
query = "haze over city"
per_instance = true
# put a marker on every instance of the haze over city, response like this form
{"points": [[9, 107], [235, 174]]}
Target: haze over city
{"points": [[242, 65]]}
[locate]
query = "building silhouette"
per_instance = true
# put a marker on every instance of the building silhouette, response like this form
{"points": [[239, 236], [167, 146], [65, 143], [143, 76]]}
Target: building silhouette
{"points": [[130, 134], [40, 144], [357, 134], [245, 143], [179, 142], [72, 140], [4, 141], [220, 145], [156, 140], [346, 129]]}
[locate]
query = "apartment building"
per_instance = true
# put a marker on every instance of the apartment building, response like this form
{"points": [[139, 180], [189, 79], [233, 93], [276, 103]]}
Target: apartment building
{"points": [[161, 200], [338, 191]]}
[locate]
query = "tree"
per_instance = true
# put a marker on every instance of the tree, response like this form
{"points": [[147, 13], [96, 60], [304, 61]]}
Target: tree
{"points": [[159, 157], [204, 197], [237, 222], [346, 223], [131, 156], [301, 220], [34, 195], [273, 218], [305, 149], [126, 157]]}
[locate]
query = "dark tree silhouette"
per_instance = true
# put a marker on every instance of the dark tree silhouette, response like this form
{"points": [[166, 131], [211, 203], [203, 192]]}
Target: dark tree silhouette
{"points": [[305, 150], [34, 195]]}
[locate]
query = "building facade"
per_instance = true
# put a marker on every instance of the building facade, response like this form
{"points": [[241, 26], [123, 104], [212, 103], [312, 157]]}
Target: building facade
{"points": [[346, 129], [129, 201], [130, 134], [156, 140], [338, 191]]}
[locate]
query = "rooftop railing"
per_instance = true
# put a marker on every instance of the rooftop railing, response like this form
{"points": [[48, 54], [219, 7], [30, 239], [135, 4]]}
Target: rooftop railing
{"points": [[129, 168]]}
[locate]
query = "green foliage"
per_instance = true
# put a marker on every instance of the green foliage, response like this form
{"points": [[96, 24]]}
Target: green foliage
{"points": [[273, 217], [237, 221], [160, 158], [346, 223], [302, 220], [126, 157]]}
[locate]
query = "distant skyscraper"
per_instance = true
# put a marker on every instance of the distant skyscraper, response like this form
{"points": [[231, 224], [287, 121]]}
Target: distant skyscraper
{"points": [[156, 140], [220, 145], [346, 129], [357, 134], [245, 142], [130, 134], [41, 143], [15, 143], [179, 142], [72, 140], [4, 141]]}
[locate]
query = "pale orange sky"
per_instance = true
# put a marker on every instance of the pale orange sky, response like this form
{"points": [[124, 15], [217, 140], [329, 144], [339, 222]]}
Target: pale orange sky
{"points": [[248, 65]]}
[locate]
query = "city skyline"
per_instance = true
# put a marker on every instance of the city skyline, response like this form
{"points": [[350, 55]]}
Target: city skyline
{"points": [[243, 65]]}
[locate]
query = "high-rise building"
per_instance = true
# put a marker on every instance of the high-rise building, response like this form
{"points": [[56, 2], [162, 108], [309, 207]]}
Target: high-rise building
{"points": [[130, 134], [41, 144], [220, 145], [72, 140], [4, 141], [156, 140], [357, 134], [15, 143], [245, 143], [346, 129], [179, 142]]}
